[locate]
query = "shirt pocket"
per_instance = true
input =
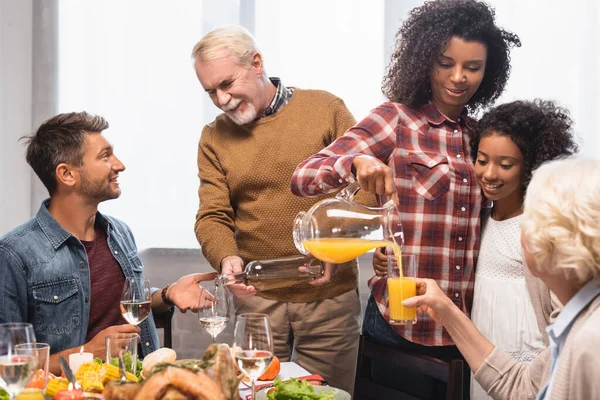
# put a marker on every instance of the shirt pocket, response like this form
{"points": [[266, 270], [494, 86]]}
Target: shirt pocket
{"points": [[430, 174], [136, 264], [57, 306]]}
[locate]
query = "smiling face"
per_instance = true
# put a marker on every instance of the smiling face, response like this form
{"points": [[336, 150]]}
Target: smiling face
{"points": [[100, 169], [456, 75], [234, 88], [499, 169]]}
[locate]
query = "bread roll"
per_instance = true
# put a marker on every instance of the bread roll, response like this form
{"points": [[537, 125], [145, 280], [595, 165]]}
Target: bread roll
{"points": [[162, 355]]}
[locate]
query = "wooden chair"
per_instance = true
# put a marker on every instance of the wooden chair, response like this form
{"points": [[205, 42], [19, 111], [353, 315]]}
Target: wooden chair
{"points": [[164, 321], [370, 352]]}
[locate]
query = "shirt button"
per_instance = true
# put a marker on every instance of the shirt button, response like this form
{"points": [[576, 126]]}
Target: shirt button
{"points": [[320, 186], [87, 300], [55, 297], [431, 162], [456, 131], [455, 294], [82, 266], [74, 282], [458, 156], [147, 344], [465, 180], [116, 252], [463, 209], [460, 239], [340, 181], [458, 267]]}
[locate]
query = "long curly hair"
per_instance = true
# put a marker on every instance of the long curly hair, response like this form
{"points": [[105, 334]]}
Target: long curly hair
{"points": [[423, 38], [541, 130]]}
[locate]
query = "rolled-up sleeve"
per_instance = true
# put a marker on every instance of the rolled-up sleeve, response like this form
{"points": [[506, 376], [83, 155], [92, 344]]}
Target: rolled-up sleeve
{"points": [[504, 378]]}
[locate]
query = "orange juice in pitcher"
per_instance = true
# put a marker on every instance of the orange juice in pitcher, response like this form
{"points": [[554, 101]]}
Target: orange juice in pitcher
{"points": [[340, 250], [339, 230]]}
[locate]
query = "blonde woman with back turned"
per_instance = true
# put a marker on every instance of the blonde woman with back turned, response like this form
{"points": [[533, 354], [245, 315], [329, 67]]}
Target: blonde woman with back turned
{"points": [[561, 246]]}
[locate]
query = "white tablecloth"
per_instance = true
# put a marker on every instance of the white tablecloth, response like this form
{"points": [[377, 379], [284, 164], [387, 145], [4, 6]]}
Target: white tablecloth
{"points": [[288, 370]]}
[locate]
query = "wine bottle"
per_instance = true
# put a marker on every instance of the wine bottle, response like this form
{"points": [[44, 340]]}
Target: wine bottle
{"points": [[277, 273]]}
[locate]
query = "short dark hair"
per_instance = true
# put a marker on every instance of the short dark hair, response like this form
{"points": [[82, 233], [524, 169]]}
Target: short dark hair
{"points": [[422, 40], [541, 130], [59, 140]]}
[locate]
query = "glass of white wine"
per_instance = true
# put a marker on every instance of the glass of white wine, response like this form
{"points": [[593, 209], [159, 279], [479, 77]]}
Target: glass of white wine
{"points": [[213, 307], [136, 299], [253, 345], [16, 368]]}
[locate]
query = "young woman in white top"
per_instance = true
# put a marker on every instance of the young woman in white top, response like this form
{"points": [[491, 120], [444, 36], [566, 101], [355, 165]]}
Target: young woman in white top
{"points": [[510, 307]]}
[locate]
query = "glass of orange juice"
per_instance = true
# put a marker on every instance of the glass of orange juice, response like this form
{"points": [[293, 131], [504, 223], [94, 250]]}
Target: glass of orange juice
{"points": [[401, 285]]}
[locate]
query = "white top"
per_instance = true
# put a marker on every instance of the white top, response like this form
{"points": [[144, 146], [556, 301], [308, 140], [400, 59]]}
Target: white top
{"points": [[502, 309]]}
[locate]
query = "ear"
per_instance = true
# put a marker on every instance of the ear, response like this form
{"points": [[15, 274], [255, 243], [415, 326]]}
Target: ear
{"points": [[257, 64], [66, 175]]}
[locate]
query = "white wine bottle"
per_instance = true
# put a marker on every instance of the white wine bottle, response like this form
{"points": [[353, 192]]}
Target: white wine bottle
{"points": [[277, 273]]}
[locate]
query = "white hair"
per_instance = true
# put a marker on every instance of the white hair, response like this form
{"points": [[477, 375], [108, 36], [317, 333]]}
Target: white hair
{"points": [[561, 221], [228, 40]]}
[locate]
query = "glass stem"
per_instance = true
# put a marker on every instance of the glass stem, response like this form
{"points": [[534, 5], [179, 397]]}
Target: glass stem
{"points": [[253, 390], [214, 338]]}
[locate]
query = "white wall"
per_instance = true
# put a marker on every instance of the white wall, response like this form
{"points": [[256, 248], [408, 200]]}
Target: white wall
{"points": [[129, 61], [559, 58], [15, 111]]}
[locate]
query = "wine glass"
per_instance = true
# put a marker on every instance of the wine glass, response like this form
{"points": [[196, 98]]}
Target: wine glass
{"points": [[16, 368], [213, 307], [253, 345], [136, 299]]}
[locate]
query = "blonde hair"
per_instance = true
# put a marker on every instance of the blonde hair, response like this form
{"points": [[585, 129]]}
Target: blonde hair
{"points": [[561, 222], [228, 40]]}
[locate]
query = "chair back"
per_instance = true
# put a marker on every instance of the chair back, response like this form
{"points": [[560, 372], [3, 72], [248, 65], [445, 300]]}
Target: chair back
{"points": [[370, 352], [164, 321]]}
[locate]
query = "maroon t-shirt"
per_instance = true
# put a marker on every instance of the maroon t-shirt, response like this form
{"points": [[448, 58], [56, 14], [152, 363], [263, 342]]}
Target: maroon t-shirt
{"points": [[107, 280]]}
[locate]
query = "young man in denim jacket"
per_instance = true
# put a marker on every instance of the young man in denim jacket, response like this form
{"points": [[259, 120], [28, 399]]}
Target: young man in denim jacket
{"points": [[63, 271]]}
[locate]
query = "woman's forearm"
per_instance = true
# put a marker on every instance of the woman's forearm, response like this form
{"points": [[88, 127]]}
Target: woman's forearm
{"points": [[470, 342]]}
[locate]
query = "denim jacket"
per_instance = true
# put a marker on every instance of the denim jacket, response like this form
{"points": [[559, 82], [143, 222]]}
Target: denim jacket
{"points": [[45, 279]]}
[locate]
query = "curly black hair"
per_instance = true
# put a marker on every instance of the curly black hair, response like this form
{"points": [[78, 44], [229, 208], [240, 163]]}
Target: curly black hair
{"points": [[541, 129], [423, 38]]}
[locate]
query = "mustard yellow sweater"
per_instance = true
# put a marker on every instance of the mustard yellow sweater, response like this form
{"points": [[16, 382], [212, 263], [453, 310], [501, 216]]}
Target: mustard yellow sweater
{"points": [[246, 207]]}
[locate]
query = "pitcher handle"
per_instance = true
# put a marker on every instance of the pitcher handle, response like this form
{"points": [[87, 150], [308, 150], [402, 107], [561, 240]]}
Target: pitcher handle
{"points": [[349, 191]]}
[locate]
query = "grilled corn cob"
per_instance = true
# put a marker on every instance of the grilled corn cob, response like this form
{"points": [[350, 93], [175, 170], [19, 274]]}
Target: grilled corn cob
{"points": [[106, 372], [56, 384]]}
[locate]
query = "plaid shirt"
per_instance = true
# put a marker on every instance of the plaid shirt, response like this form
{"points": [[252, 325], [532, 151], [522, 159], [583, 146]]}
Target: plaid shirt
{"points": [[440, 200], [281, 98]]}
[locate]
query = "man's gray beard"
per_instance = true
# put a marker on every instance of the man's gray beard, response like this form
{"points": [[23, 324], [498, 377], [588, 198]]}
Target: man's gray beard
{"points": [[243, 119]]}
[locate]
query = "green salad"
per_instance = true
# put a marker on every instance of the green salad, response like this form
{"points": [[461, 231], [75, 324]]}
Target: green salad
{"points": [[4, 395], [294, 389], [127, 360]]}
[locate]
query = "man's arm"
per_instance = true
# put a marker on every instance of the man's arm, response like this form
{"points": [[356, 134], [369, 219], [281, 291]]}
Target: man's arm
{"points": [[13, 286], [184, 294], [215, 225]]}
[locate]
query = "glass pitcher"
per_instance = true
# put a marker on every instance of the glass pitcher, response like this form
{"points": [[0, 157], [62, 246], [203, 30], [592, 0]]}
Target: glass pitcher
{"points": [[339, 230], [277, 273]]}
